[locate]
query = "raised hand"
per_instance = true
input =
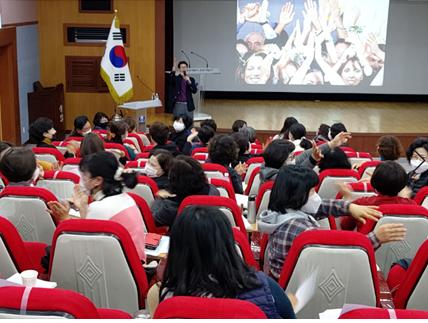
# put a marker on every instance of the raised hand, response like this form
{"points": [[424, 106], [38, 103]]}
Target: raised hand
{"points": [[311, 12], [340, 139], [287, 14]]}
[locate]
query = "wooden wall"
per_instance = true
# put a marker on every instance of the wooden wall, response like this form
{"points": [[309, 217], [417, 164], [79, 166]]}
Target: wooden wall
{"points": [[139, 15]]}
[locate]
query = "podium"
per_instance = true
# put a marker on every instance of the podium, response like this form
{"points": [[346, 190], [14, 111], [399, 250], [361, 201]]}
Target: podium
{"points": [[138, 109], [200, 96]]}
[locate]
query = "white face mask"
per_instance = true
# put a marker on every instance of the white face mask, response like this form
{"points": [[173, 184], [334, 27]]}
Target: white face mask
{"points": [[329, 136], [419, 169], [178, 126], [312, 205], [150, 171], [87, 132], [36, 175]]}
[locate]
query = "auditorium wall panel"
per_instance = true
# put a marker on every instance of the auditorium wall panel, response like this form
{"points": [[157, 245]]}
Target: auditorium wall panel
{"points": [[139, 15]]}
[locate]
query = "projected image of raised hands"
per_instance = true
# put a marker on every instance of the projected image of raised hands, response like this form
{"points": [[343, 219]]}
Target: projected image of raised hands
{"points": [[311, 42]]}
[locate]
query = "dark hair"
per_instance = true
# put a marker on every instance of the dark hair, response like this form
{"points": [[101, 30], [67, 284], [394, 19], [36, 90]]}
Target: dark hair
{"points": [[79, 122], [337, 128], [97, 120], [389, 178], [421, 142], [291, 188], [250, 132], [205, 133], [164, 157], [187, 121], [288, 122], [91, 144], [323, 131], [210, 123], [5, 145], [277, 153], [105, 165], [242, 141], [186, 177], [118, 128], [38, 128], [201, 264], [159, 133], [182, 62], [334, 159], [298, 131], [238, 124], [389, 147], [223, 150], [132, 124], [18, 164]]}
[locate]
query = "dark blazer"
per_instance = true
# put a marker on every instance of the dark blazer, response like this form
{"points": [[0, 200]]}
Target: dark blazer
{"points": [[173, 89]]}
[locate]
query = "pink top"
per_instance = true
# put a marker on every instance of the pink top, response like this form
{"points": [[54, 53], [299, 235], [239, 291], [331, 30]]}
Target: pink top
{"points": [[122, 209]]}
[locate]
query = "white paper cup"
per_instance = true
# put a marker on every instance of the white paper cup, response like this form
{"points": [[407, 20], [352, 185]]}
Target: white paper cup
{"points": [[29, 278]]}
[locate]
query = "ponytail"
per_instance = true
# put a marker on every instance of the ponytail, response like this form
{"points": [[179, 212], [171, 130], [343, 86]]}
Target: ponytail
{"points": [[129, 180], [305, 143]]}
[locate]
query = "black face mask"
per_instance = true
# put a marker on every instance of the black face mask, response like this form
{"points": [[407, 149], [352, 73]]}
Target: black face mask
{"points": [[103, 125]]}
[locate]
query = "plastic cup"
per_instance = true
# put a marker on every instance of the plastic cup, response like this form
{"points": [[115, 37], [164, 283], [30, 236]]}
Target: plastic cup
{"points": [[29, 278]]}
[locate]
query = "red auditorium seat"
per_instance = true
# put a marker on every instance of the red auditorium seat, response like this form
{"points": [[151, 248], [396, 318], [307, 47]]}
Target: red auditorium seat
{"points": [[358, 190], [414, 218], [148, 148], [256, 151], [412, 293], [383, 314], [114, 147], [328, 188], [51, 155], [421, 197], [51, 303], [72, 165], [263, 196], [146, 188], [73, 138], [98, 259], [344, 267], [244, 248], [200, 151], [226, 205], [60, 183], [252, 163], [347, 149], [186, 307], [253, 183], [136, 165], [202, 158], [17, 255], [138, 139], [148, 219], [143, 156], [132, 142], [26, 207], [366, 170], [358, 157], [215, 171], [224, 187]]}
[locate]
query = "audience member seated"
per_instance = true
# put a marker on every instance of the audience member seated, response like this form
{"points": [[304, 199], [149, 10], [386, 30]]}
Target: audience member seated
{"points": [[82, 127], [204, 134], [297, 135], [250, 132], [186, 177], [132, 128], [295, 207], [157, 167], [389, 148], [322, 133], [100, 121], [19, 166], [208, 265], [117, 132], [335, 129], [103, 180], [241, 140], [159, 133], [417, 155], [182, 125], [223, 150], [238, 125], [210, 123], [283, 134], [334, 159], [388, 179], [41, 134], [276, 155], [91, 144]]}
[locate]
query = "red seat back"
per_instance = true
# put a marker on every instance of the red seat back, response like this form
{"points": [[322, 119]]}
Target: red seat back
{"points": [[115, 146], [242, 241], [49, 151], [224, 186], [186, 307], [382, 314]]}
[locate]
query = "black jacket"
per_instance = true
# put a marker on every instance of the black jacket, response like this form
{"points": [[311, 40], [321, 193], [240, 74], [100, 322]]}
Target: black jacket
{"points": [[173, 91]]}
